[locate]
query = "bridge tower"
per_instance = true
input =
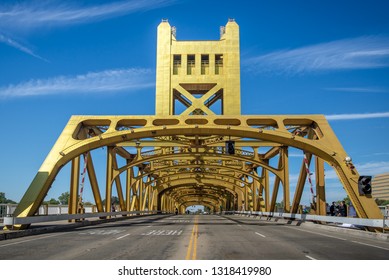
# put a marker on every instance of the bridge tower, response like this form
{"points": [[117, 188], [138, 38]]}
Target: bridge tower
{"points": [[198, 77]]}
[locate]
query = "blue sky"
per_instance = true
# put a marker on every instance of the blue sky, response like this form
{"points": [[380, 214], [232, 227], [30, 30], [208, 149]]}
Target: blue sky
{"points": [[63, 58]]}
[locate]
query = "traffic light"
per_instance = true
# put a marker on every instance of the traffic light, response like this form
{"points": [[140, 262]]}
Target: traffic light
{"points": [[230, 147], [364, 185]]}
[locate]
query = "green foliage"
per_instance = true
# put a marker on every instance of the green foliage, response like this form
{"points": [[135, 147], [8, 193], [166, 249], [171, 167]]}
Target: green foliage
{"points": [[114, 200], [52, 201], [64, 198], [381, 202], [347, 200], [3, 199]]}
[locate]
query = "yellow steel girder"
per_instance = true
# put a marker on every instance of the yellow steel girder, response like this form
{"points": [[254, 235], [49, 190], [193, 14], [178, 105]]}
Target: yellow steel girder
{"points": [[279, 130]]}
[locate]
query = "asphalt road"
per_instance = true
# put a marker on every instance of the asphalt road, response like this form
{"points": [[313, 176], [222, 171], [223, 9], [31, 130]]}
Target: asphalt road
{"points": [[204, 237]]}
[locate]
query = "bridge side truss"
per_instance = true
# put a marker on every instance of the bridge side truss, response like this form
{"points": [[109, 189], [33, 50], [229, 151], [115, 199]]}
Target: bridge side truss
{"points": [[178, 161]]}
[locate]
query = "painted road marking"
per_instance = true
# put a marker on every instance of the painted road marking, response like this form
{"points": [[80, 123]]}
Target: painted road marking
{"points": [[163, 232], [191, 254], [102, 232], [319, 234], [260, 234], [122, 236], [372, 245], [24, 241], [309, 257], [179, 221]]}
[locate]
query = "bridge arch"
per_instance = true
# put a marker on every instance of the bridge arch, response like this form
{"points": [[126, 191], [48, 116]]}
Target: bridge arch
{"points": [[321, 143]]}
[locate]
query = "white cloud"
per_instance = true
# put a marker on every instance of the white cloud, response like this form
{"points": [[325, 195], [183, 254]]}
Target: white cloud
{"points": [[359, 89], [342, 117], [28, 15], [373, 168], [356, 53], [116, 80], [19, 46]]}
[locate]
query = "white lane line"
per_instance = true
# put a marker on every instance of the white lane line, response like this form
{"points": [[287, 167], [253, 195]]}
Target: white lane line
{"points": [[123, 236], [309, 257], [149, 226], [319, 234], [371, 245], [239, 225], [260, 234], [43, 237]]}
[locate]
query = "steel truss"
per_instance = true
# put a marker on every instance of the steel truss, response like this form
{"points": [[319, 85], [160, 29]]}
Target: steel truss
{"points": [[181, 161]]}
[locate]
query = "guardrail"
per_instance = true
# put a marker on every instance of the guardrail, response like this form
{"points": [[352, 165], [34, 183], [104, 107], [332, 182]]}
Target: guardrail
{"points": [[376, 223], [11, 221]]}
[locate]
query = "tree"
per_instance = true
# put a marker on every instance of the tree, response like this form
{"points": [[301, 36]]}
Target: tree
{"points": [[114, 200], [346, 200], [64, 198], [52, 201], [3, 199]]}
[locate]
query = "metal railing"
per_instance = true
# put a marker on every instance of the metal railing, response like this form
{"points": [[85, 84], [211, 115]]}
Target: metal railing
{"points": [[376, 223], [11, 221]]}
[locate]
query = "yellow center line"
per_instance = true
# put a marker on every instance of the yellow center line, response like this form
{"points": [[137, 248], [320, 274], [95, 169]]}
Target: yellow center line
{"points": [[192, 247]]}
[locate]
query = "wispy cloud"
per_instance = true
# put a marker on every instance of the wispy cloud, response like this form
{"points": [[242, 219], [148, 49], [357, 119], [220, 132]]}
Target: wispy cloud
{"points": [[356, 53], [359, 89], [116, 80], [373, 168], [32, 14], [20, 47], [342, 117]]}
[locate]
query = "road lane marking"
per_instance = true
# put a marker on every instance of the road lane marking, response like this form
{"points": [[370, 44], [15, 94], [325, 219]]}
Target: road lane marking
{"points": [[319, 234], [309, 257], [24, 241], [239, 225], [192, 254], [123, 236], [260, 234], [102, 231], [162, 232], [383, 248]]}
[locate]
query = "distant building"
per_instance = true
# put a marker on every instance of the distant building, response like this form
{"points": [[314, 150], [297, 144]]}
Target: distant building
{"points": [[380, 186]]}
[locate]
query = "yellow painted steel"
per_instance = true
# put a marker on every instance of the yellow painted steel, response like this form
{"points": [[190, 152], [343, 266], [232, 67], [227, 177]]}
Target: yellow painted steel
{"points": [[175, 161]]}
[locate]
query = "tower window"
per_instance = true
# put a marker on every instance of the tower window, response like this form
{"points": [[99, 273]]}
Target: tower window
{"points": [[176, 64], [218, 64], [191, 64], [204, 64]]}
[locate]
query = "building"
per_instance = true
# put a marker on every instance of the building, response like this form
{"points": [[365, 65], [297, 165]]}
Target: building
{"points": [[380, 186]]}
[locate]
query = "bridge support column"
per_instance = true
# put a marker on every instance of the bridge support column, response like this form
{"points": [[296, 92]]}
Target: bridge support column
{"points": [[74, 184], [129, 182], [300, 184], [109, 177], [94, 183], [320, 190], [285, 181]]}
